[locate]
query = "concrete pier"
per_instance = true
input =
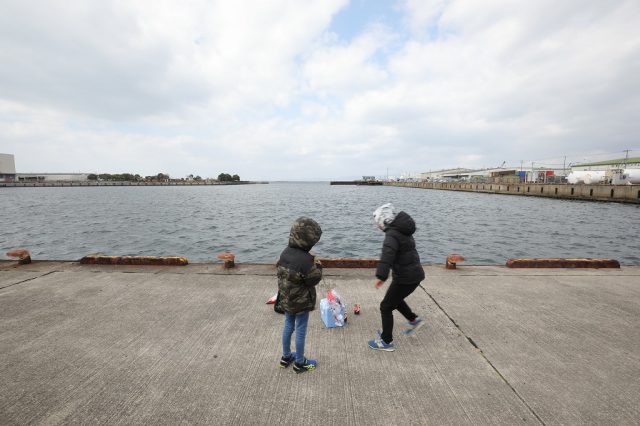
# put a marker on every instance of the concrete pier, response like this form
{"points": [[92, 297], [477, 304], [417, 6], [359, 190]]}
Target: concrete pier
{"points": [[102, 344], [617, 193]]}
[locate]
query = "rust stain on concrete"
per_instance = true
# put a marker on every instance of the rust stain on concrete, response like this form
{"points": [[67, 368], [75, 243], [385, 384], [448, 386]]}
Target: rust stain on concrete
{"points": [[562, 263]]}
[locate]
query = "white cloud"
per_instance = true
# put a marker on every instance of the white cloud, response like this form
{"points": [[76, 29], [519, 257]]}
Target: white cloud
{"points": [[266, 90], [423, 15], [342, 69], [500, 68]]}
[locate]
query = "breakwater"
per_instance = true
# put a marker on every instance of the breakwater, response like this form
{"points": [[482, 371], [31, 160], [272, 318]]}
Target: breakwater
{"points": [[356, 182], [124, 183], [617, 193]]}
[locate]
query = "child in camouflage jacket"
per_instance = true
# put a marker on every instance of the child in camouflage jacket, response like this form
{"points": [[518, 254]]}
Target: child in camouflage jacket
{"points": [[298, 274]]}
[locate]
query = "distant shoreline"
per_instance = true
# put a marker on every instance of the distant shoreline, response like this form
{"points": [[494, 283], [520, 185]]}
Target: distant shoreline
{"points": [[124, 183]]}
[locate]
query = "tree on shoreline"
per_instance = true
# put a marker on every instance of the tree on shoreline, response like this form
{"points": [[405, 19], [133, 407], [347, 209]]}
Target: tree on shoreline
{"points": [[225, 177], [122, 177], [160, 177]]}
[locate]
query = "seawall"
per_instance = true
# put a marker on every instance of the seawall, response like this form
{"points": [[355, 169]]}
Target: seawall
{"points": [[125, 183], [617, 193]]}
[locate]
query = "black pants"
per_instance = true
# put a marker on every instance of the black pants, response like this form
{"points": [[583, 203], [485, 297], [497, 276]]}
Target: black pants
{"points": [[394, 299]]}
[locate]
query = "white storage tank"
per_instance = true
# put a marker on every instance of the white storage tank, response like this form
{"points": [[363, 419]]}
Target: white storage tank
{"points": [[588, 177], [632, 176]]}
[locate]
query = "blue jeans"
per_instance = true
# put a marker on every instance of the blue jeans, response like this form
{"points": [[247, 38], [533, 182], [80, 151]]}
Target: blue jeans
{"points": [[299, 324]]}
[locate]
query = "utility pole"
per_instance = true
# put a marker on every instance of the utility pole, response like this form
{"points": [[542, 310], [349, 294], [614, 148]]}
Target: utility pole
{"points": [[521, 170], [626, 157], [564, 166], [532, 172]]}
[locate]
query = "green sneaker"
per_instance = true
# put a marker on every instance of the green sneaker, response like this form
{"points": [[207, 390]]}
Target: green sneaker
{"points": [[307, 365]]}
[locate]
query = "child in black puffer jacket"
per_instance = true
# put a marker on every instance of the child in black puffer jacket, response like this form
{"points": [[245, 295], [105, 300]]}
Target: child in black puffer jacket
{"points": [[399, 255]]}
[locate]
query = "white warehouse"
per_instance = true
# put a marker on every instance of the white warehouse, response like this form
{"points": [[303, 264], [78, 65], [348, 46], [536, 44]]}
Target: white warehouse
{"points": [[7, 168]]}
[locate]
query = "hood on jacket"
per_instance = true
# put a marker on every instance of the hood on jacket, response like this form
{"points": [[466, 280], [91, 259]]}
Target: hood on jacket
{"points": [[305, 233], [403, 223], [384, 215]]}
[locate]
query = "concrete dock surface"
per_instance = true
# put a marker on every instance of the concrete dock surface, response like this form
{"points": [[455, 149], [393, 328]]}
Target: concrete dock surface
{"points": [[198, 345]]}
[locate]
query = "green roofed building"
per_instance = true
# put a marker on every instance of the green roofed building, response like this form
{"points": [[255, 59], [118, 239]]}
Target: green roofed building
{"points": [[621, 163]]}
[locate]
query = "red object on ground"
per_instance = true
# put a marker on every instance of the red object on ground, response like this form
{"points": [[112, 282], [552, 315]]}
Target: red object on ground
{"points": [[334, 297], [356, 309], [272, 299], [452, 259]]}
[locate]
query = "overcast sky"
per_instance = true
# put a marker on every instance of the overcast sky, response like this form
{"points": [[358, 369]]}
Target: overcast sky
{"points": [[326, 89]]}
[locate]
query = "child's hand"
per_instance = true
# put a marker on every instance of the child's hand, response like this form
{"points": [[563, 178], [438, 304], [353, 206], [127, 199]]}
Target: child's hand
{"points": [[379, 283]]}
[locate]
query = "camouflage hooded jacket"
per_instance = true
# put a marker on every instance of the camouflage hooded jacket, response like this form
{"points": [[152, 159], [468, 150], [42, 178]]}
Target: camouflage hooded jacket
{"points": [[298, 273]]}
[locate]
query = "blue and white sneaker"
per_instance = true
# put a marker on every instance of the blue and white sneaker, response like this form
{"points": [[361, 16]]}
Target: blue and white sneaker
{"points": [[414, 325], [381, 345], [287, 361]]}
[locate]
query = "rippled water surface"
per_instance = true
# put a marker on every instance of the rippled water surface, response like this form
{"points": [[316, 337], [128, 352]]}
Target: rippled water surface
{"points": [[253, 221]]}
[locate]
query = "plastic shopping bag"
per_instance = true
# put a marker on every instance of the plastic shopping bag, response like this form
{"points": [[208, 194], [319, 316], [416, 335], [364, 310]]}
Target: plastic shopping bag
{"points": [[332, 310]]}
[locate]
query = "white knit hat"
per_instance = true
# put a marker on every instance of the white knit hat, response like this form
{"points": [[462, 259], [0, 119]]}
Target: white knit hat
{"points": [[384, 215]]}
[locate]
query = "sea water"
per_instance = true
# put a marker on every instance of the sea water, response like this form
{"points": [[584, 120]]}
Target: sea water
{"points": [[253, 221]]}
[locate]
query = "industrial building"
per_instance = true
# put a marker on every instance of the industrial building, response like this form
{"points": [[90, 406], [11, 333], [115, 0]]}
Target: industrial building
{"points": [[618, 172], [498, 175], [618, 164], [8, 173], [7, 168], [52, 177], [445, 174]]}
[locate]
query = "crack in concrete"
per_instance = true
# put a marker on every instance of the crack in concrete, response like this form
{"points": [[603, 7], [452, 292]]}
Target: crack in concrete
{"points": [[470, 340], [30, 279]]}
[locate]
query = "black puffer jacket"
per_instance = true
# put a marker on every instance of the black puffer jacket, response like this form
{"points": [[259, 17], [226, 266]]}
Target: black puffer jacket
{"points": [[399, 252], [298, 274]]}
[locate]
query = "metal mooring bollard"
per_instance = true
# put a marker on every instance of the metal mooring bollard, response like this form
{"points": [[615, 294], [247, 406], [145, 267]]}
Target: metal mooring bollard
{"points": [[452, 259], [24, 257], [229, 259]]}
